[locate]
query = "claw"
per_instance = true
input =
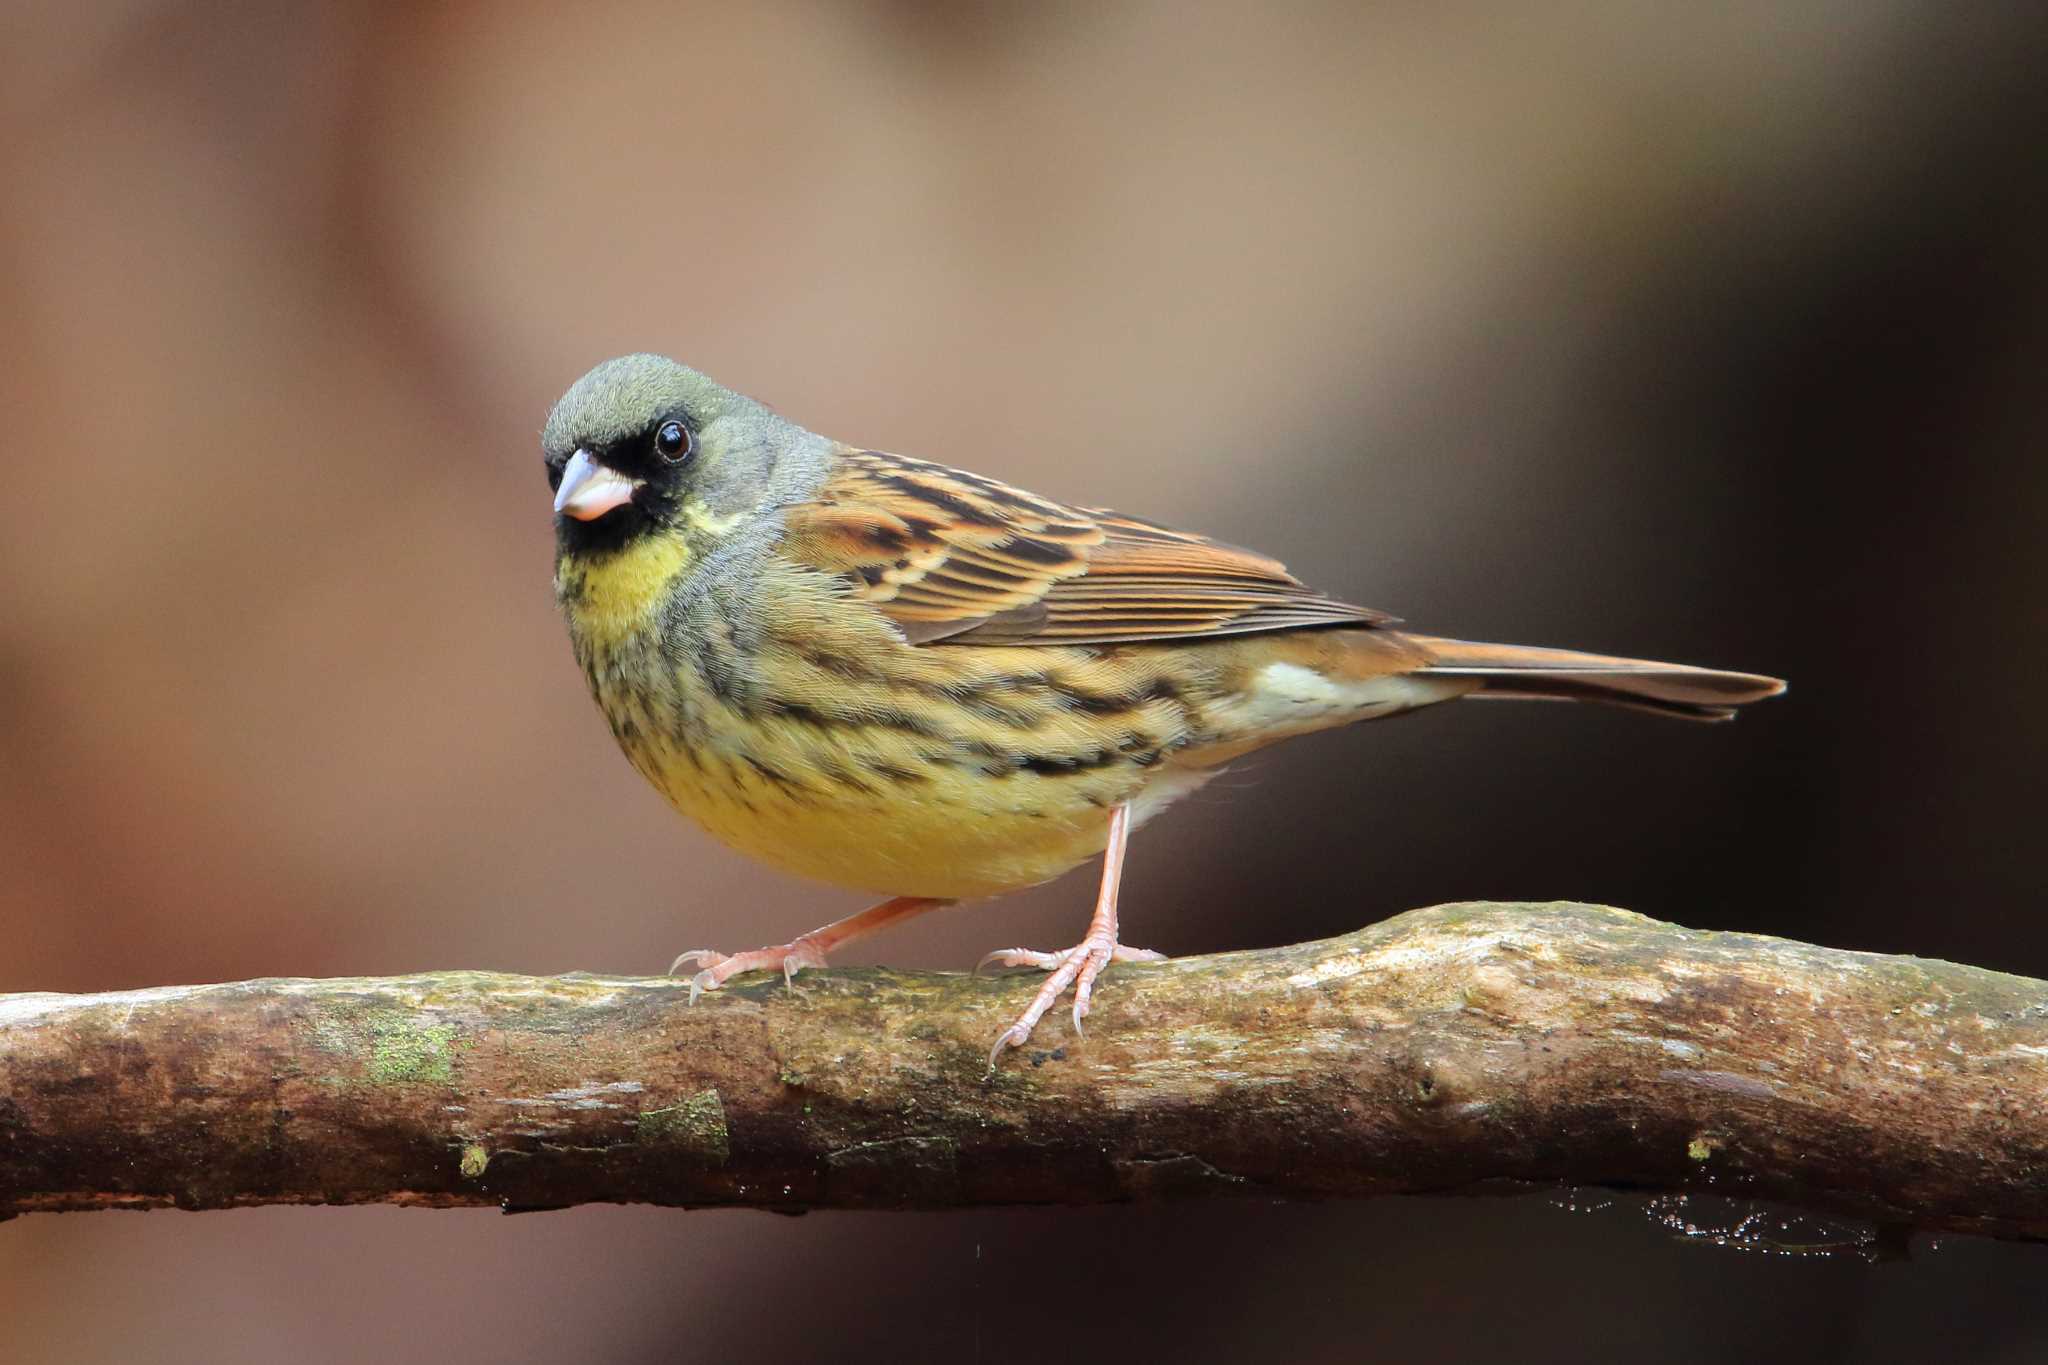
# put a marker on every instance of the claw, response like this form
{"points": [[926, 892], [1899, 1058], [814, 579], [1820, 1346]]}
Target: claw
{"points": [[1013, 1036], [703, 957], [1084, 982], [1023, 957], [702, 982]]}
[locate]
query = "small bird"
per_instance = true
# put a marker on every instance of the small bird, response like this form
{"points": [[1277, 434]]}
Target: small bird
{"points": [[927, 685]]}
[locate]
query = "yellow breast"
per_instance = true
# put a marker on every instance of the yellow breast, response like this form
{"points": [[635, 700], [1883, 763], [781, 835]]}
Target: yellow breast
{"points": [[797, 727]]}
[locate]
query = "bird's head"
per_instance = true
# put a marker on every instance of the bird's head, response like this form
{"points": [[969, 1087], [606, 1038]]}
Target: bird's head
{"points": [[654, 466]]}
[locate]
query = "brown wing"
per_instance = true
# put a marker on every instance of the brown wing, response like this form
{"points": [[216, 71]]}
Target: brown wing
{"points": [[956, 557]]}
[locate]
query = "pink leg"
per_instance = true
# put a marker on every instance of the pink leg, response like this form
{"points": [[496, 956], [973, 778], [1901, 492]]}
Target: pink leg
{"points": [[1079, 965], [806, 950]]}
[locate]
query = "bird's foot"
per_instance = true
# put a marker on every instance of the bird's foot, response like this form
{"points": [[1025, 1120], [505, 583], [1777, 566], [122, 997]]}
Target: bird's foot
{"points": [[1077, 966], [1052, 962], [719, 968], [805, 950]]}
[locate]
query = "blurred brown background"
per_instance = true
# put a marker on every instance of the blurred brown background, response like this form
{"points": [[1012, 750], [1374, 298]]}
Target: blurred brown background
{"points": [[1714, 336]]}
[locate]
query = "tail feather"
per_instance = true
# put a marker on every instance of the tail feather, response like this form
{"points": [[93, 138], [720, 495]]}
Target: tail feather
{"points": [[1534, 674]]}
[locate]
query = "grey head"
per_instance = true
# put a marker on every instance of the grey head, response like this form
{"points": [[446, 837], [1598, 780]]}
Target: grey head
{"points": [[642, 446]]}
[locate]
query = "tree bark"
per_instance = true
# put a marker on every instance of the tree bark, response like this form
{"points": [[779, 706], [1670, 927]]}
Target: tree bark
{"points": [[1452, 1049]]}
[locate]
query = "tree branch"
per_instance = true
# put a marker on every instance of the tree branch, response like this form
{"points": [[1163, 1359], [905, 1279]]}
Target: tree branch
{"points": [[1443, 1050]]}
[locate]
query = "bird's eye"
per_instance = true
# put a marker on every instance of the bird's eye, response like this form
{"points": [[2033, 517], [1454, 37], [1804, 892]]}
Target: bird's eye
{"points": [[674, 443]]}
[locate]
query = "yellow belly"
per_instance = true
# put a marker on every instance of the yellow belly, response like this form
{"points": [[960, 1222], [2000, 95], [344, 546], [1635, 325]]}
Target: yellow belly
{"points": [[952, 833], [932, 842], [885, 787]]}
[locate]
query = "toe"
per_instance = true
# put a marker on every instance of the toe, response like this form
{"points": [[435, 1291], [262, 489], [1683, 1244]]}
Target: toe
{"points": [[1023, 957], [1013, 1036], [706, 980], [799, 957], [702, 957], [1097, 956]]}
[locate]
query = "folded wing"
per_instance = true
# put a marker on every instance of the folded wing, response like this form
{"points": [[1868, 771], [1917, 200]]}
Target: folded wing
{"points": [[957, 558]]}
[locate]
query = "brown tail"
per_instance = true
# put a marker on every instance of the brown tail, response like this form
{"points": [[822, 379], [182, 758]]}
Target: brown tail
{"points": [[1527, 672]]}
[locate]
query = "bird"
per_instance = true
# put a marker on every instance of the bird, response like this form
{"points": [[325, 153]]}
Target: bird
{"points": [[931, 686]]}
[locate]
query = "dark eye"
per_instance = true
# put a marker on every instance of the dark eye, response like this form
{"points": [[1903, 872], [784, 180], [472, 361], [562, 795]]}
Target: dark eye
{"points": [[673, 442]]}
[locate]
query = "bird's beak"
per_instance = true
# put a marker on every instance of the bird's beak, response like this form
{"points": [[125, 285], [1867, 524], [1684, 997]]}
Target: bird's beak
{"points": [[589, 490]]}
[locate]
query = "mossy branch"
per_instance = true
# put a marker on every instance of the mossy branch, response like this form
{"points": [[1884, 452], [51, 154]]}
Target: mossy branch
{"points": [[1448, 1049]]}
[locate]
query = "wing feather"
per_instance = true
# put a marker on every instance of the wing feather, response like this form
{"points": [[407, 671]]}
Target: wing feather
{"points": [[956, 557]]}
